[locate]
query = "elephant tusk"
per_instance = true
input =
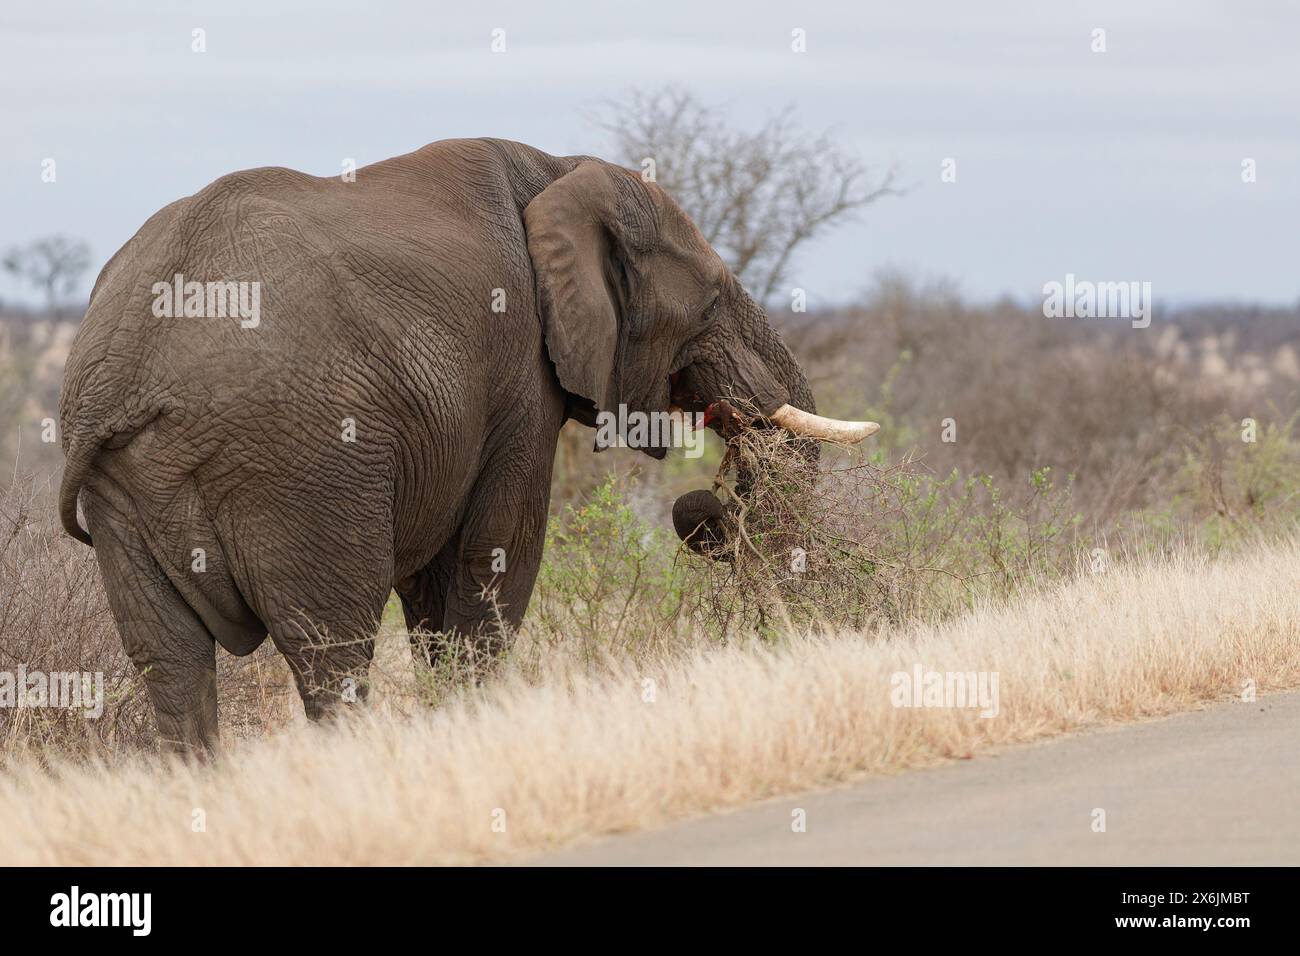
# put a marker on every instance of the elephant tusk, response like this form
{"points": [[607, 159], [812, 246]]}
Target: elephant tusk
{"points": [[807, 425]]}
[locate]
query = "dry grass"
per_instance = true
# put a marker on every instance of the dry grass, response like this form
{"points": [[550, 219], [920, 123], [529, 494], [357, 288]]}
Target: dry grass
{"points": [[54, 617], [578, 751]]}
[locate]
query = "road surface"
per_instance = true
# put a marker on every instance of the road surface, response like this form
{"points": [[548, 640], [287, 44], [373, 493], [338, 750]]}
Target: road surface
{"points": [[1216, 787]]}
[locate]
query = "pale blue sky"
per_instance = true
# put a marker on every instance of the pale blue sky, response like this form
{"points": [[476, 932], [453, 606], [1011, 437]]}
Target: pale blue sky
{"points": [[1115, 166]]}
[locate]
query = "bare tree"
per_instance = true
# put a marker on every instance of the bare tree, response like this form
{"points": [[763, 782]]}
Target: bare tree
{"points": [[54, 265], [756, 196]]}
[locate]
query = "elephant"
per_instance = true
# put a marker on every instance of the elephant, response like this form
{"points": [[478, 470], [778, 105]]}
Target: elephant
{"points": [[292, 395]]}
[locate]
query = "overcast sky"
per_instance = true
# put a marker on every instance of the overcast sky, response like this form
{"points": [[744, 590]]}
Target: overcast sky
{"points": [[1122, 165]]}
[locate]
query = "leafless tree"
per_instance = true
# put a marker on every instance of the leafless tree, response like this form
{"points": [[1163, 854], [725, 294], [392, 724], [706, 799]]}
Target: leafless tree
{"points": [[53, 264], [757, 196]]}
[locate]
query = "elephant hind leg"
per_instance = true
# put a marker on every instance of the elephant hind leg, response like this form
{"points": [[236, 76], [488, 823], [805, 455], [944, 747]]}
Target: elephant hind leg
{"points": [[163, 637]]}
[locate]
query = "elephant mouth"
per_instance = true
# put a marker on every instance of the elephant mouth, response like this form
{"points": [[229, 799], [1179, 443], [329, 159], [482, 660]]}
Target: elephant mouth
{"points": [[719, 414], [682, 398], [723, 416]]}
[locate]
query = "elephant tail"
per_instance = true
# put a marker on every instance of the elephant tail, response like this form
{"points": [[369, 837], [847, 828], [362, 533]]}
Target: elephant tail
{"points": [[82, 450]]}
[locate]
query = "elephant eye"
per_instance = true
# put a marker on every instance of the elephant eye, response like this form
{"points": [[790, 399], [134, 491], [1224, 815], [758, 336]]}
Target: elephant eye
{"points": [[711, 310]]}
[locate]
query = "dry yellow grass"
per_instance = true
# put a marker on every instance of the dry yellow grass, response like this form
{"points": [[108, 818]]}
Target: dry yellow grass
{"points": [[575, 755]]}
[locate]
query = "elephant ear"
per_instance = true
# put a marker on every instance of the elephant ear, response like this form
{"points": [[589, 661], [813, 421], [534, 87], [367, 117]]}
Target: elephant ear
{"points": [[573, 240]]}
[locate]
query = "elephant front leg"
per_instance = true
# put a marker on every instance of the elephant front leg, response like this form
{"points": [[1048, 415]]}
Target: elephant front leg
{"points": [[424, 604], [499, 554]]}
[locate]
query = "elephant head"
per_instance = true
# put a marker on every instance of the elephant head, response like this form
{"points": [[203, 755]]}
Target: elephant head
{"points": [[639, 311]]}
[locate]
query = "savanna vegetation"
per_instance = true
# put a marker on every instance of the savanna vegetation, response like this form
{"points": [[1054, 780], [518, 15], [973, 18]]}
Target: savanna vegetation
{"points": [[1014, 452]]}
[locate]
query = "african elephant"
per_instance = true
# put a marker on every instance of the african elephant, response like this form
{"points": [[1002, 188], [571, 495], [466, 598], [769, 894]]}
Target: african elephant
{"points": [[291, 395]]}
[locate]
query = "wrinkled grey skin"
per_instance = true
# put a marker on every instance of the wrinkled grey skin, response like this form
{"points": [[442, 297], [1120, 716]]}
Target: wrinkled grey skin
{"points": [[376, 306]]}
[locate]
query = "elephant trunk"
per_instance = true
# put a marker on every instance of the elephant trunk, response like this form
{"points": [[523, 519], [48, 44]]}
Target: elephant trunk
{"points": [[698, 517], [799, 416]]}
